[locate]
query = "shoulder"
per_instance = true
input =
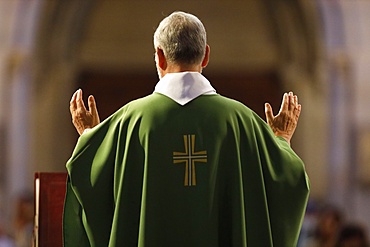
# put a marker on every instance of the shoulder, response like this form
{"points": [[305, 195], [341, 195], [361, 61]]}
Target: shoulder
{"points": [[221, 102]]}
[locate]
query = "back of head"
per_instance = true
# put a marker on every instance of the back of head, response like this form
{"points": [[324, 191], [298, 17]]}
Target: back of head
{"points": [[182, 37], [352, 235]]}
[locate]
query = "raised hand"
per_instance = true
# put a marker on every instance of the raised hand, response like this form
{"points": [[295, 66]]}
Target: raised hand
{"points": [[81, 117], [285, 122]]}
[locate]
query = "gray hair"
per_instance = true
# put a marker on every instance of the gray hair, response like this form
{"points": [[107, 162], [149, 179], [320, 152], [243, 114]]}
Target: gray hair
{"points": [[182, 37]]}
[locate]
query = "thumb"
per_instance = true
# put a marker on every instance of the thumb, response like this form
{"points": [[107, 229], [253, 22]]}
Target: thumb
{"points": [[268, 112], [92, 106]]}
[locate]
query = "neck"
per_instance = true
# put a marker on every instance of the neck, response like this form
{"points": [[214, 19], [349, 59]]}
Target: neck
{"points": [[180, 68]]}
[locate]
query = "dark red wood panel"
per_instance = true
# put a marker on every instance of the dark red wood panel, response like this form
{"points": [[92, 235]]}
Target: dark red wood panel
{"points": [[50, 197]]}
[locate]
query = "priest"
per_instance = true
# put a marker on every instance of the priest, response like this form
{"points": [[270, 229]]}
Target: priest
{"points": [[184, 166]]}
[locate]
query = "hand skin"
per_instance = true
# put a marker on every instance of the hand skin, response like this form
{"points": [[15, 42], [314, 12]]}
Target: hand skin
{"points": [[81, 117], [285, 122]]}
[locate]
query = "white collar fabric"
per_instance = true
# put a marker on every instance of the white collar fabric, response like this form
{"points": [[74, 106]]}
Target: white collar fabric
{"points": [[183, 87]]}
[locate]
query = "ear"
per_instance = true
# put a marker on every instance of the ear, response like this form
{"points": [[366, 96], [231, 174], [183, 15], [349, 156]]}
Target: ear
{"points": [[206, 56], [162, 62]]}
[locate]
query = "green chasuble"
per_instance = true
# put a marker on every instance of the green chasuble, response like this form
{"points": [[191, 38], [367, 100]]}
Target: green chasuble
{"points": [[207, 174]]}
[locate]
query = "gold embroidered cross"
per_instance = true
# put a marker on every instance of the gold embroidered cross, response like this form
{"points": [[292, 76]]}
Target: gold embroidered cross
{"points": [[189, 157]]}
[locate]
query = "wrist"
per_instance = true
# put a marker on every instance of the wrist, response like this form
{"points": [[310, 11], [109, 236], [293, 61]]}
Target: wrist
{"points": [[286, 137], [86, 130]]}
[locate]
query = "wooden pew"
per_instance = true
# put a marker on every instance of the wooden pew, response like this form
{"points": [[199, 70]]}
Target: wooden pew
{"points": [[49, 189]]}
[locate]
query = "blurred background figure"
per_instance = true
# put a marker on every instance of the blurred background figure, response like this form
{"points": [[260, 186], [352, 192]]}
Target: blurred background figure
{"points": [[309, 223], [23, 225], [325, 234], [352, 235], [5, 239]]}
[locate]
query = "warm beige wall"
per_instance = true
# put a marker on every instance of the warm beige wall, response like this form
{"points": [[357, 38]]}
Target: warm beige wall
{"points": [[120, 34]]}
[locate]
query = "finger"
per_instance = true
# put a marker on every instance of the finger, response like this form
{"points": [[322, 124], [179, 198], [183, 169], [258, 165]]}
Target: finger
{"points": [[299, 108], [296, 112], [285, 103], [291, 104], [268, 112], [73, 96], [93, 110], [79, 100], [72, 103], [295, 99], [92, 105]]}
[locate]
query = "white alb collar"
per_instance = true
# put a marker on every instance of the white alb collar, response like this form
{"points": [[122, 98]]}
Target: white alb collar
{"points": [[183, 87]]}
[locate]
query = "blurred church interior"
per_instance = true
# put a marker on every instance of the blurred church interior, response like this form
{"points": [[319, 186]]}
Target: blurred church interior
{"points": [[320, 49]]}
